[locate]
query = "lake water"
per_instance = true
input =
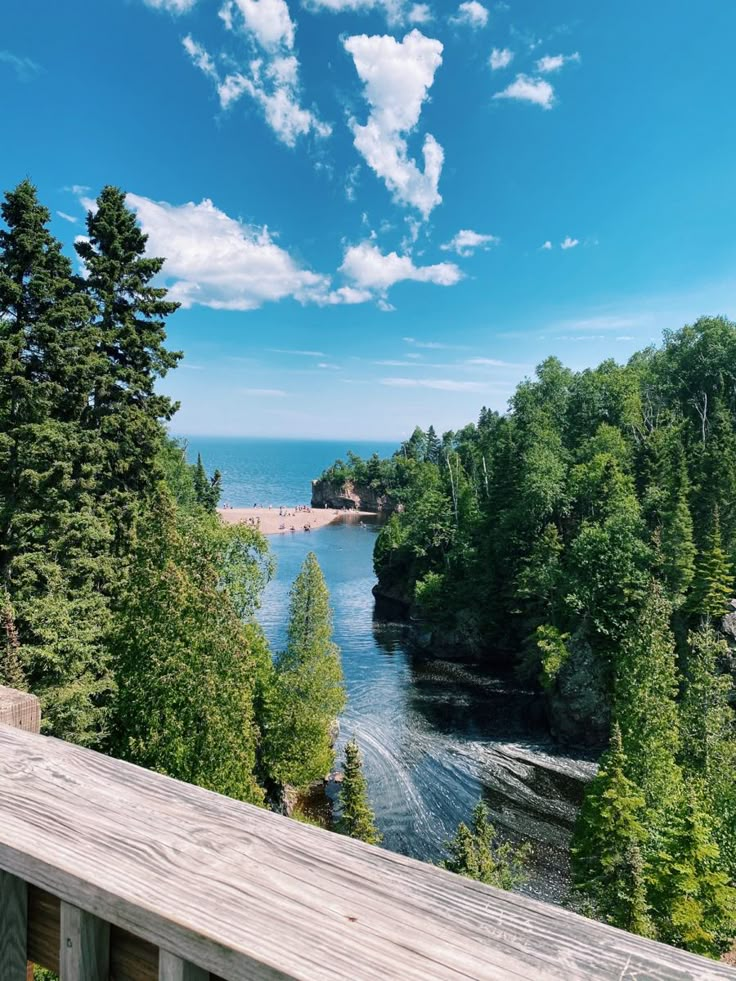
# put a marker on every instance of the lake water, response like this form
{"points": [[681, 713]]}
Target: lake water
{"points": [[436, 735]]}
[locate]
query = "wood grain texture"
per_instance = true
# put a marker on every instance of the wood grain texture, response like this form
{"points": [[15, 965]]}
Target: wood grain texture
{"points": [[173, 968], [84, 952], [19, 709], [13, 927], [251, 895]]}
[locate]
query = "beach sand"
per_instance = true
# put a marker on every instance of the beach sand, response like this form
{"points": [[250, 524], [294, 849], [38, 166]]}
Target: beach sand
{"points": [[271, 521]]}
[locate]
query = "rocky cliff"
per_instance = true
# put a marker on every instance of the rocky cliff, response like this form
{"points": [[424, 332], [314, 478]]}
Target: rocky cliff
{"points": [[350, 497]]}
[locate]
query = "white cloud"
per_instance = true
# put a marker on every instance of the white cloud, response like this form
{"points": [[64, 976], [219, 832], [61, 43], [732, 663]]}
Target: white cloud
{"points": [[526, 89], [546, 246], [272, 80], [173, 6], [472, 13], [302, 354], [395, 10], [491, 362], [500, 58], [215, 261], [553, 63], [419, 13], [439, 384], [466, 242], [66, 217], [397, 76], [366, 266], [432, 345], [569, 243]]}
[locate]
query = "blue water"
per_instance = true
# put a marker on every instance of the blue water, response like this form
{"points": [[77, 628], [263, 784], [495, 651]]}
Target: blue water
{"points": [[273, 471], [436, 735]]}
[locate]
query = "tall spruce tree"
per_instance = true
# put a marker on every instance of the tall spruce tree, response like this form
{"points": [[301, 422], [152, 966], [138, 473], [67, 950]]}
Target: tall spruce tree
{"points": [[607, 859], [646, 687], [54, 536], [307, 693], [708, 751], [124, 406], [714, 580], [357, 820]]}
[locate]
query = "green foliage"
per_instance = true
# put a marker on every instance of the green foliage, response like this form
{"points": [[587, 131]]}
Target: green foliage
{"points": [[713, 586], [607, 847], [475, 853], [306, 694], [186, 665], [11, 668], [689, 887], [357, 820], [554, 653]]}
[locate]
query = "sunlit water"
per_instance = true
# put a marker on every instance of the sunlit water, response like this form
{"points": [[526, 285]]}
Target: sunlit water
{"points": [[436, 735]]}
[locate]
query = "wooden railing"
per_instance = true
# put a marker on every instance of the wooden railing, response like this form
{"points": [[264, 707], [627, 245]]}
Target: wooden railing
{"points": [[109, 871]]}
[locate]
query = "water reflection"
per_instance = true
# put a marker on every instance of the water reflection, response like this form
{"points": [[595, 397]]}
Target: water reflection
{"points": [[436, 735]]}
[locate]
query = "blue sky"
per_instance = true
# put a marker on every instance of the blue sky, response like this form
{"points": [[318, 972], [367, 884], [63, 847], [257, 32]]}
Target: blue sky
{"points": [[379, 212]]}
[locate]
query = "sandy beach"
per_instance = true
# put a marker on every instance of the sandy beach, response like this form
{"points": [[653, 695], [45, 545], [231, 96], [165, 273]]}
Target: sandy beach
{"points": [[271, 522]]}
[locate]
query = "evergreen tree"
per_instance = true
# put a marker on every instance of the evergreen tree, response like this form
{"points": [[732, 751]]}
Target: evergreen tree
{"points": [[11, 668], [695, 905], [474, 852], [434, 447], [708, 745], [54, 535], [186, 665], [124, 405], [645, 708], [607, 846], [678, 546], [357, 820], [713, 586], [307, 693]]}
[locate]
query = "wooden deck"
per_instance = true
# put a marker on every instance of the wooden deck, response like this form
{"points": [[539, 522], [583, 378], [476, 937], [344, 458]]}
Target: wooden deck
{"points": [[122, 863]]}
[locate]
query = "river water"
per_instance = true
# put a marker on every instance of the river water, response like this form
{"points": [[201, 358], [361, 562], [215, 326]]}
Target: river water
{"points": [[436, 735]]}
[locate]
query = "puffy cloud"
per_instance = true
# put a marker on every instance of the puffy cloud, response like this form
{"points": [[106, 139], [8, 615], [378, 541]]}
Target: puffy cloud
{"points": [[500, 58], [272, 80], [173, 6], [215, 261], [419, 13], [394, 10], [467, 241], [526, 89], [546, 246], [370, 269], [397, 76], [553, 63], [472, 13], [569, 243]]}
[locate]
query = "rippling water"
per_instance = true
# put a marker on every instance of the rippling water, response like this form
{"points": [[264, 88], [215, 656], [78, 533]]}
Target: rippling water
{"points": [[436, 735]]}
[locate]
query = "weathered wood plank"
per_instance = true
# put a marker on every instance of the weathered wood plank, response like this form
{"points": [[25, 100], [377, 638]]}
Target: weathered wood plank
{"points": [[84, 951], [13, 927], [173, 968], [248, 894], [19, 709]]}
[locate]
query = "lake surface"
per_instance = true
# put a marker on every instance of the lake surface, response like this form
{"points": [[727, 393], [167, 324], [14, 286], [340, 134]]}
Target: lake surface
{"points": [[436, 735]]}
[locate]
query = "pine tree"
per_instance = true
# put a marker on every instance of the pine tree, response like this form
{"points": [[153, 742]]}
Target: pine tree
{"points": [[695, 905], [645, 691], [124, 405], [474, 852], [677, 543], [607, 846], [11, 667], [186, 665], [434, 447], [357, 820], [307, 694], [714, 581], [708, 745]]}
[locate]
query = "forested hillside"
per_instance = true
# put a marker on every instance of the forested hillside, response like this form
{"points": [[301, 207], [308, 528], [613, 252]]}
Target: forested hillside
{"points": [[125, 604], [587, 537]]}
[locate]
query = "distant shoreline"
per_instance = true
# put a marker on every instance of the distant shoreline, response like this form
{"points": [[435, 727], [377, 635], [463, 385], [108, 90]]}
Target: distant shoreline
{"points": [[271, 522]]}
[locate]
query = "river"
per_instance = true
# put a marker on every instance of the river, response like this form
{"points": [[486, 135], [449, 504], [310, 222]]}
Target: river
{"points": [[436, 735]]}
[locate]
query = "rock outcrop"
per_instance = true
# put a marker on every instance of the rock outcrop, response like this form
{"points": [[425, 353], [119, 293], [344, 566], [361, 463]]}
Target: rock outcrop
{"points": [[350, 497]]}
